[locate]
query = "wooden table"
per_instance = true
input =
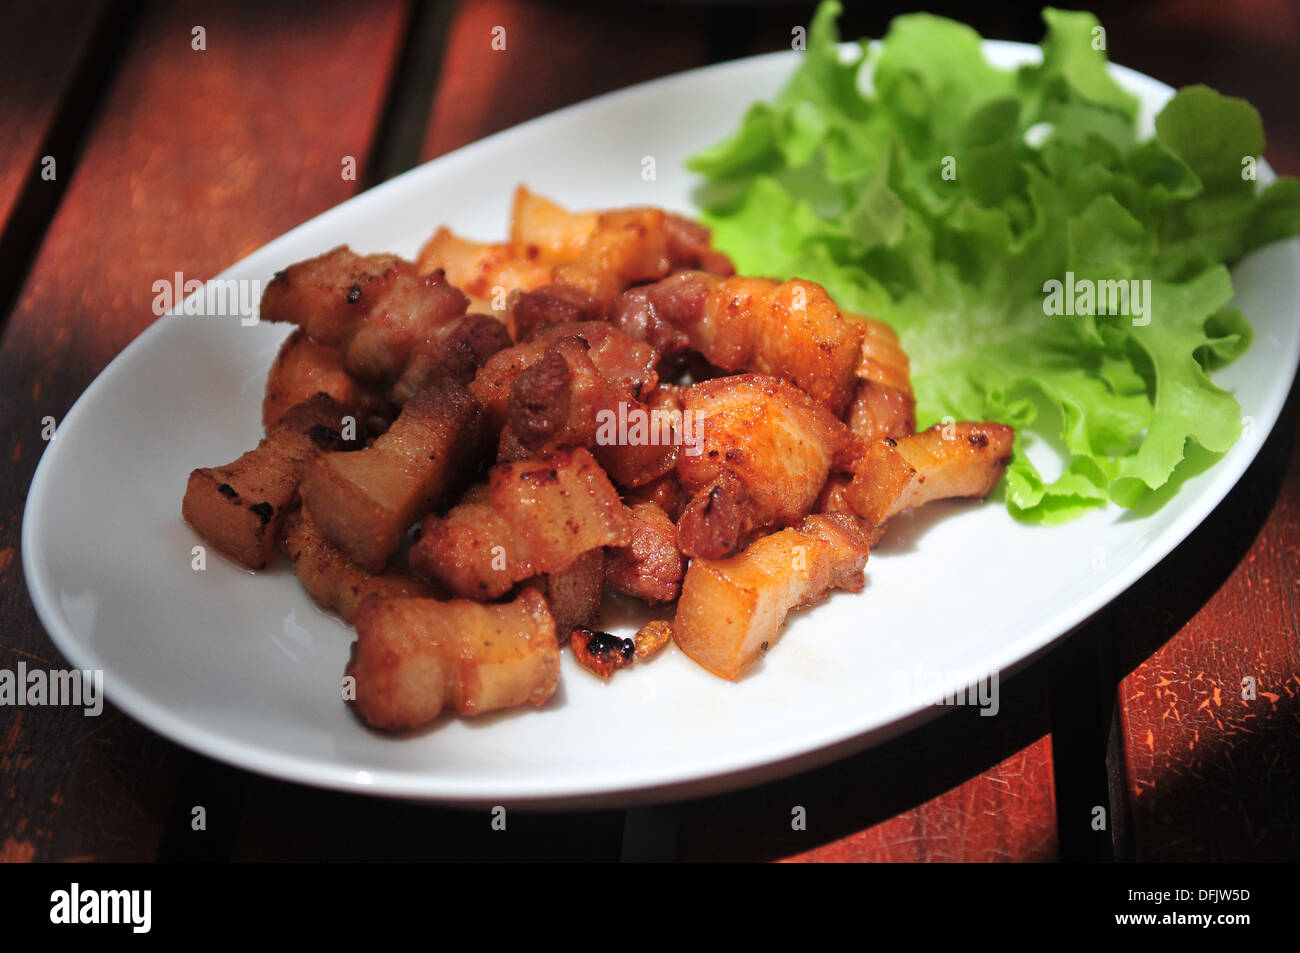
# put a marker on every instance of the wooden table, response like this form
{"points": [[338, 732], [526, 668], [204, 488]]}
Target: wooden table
{"points": [[168, 158]]}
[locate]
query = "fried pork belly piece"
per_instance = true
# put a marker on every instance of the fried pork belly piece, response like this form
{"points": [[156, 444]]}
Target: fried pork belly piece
{"points": [[531, 311], [732, 610], [332, 580], [624, 362], [551, 233], [413, 657], [578, 385], [664, 492], [789, 329], [538, 517], [375, 308], [597, 253], [547, 231], [486, 271], [564, 400], [946, 461], [883, 405], [303, 369], [542, 235], [762, 450], [600, 653], [649, 567], [239, 507], [454, 351], [364, 502], [690, 247], [629, 246], [574, 593]]}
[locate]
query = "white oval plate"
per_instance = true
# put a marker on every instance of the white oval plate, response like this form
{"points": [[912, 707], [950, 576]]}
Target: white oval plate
{"points": [[244, 668]]}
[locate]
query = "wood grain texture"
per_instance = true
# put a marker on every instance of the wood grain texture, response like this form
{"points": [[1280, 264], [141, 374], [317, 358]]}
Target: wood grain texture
{"points": [[40, 48], [963, 787], [197, 159], [1210, 774], [1003, 814], [555, 54]]}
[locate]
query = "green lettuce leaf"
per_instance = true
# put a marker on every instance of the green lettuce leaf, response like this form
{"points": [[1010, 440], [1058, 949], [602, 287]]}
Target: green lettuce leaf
{"points": [[924, 186]]}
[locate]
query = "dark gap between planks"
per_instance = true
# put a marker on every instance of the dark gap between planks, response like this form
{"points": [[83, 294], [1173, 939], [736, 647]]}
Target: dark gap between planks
{"points": [[38, 201]]}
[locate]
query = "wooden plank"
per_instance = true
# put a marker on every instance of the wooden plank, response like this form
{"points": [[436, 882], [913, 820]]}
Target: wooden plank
{"points": [[40, 49], [964, 787], [555, 54], [198, 158], [1003, 814], [1213, 775]]}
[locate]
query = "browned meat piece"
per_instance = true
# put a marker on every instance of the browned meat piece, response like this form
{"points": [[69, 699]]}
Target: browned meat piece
{"points": [[883, 405], [788, 329], [623, 362], [732, 610], [665, 492], [690, 246], [595, 254], [540, 515], [944, 462], [763, 451], [576, 385], [239, 507], [629, 246], [574, 593], [486, 271], [365, 502], [454, 351], [531, 311], [332, 580], [412, 657], [304, 369], [649, 567], [375, 308], [547, 232]]}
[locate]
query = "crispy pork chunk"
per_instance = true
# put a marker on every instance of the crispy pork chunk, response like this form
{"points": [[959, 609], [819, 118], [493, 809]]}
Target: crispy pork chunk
{"points": [[332, 580], [596, 254], [649, 567], [574, 593], [455, 351], [304, 369], [546, 230], [375, 308], [485, 271], [364, 502], [579, 385], [239, 507], [531, 311], [732, 610], [789, 329], [413, 657], [538, 516], [946, 461], [762, 451], [622, 361], [665, 492], [883, 405]]}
